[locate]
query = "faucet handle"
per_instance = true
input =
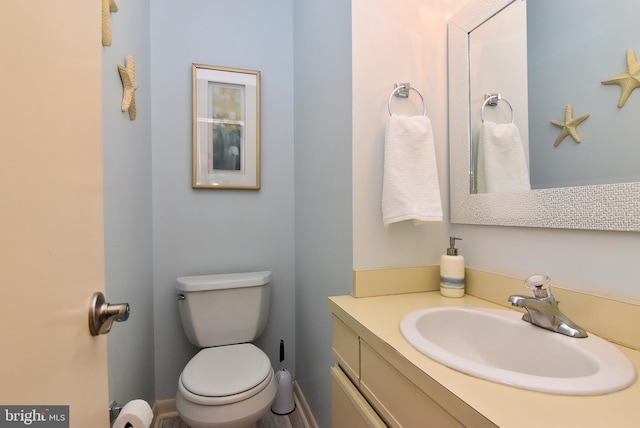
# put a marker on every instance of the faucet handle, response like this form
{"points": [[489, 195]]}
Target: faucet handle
{"points": [[540, 286]]}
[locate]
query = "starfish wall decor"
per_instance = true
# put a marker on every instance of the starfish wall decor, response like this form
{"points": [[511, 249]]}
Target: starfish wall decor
{"points": [[129, 86], [629, 80], [569, 125], [108, 7]]}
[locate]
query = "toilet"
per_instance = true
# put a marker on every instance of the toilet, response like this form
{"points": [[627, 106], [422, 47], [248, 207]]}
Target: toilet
{"points": [[229, 382]]}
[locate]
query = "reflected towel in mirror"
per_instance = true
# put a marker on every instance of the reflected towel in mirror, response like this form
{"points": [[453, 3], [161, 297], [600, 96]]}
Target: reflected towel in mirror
{"points": [[411, 190], [502, 165]]}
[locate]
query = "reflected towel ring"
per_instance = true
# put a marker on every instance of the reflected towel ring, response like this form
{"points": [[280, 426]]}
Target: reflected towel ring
{"points": [[402, 90], [492, 100]]}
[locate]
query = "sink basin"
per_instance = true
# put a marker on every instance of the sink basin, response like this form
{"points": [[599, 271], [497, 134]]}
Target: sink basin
{"points": [[497, 345]]}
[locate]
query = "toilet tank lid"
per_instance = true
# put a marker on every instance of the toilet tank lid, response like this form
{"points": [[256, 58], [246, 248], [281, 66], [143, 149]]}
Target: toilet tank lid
{"points": [[222, 281]]}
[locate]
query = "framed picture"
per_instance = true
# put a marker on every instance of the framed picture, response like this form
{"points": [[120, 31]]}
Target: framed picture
{"points": [[226, 128]]}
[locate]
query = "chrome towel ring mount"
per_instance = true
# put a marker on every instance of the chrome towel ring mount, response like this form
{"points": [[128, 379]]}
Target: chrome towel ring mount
{"points": [[401, 90], [492, 100]]}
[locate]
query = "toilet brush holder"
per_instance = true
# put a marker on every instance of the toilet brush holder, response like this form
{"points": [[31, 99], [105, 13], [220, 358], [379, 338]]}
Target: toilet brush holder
{"points": [[284, 403]]}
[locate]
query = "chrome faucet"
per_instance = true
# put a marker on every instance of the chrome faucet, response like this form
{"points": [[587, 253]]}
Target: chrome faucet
{"points": [[542, 309]]}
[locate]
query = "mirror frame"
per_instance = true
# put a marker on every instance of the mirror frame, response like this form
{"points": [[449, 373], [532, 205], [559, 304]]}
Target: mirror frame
{"points": [[596, 207]]}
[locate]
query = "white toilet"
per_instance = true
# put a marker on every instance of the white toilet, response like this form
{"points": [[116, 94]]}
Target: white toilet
{"points": [[229, 383]]}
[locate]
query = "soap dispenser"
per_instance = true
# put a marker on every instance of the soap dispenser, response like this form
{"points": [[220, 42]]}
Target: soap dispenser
{"points": [[452, 271]]}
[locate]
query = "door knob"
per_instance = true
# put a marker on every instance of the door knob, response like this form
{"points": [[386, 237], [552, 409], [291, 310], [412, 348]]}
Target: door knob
{"points": [[102, 314]]}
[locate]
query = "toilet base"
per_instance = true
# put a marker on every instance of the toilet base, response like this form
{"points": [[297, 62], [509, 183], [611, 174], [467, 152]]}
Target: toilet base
{"points": [[233, 415]]}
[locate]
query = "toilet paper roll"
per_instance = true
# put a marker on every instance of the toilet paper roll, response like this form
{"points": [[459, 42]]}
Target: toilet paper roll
{"points": [[134, 414]]}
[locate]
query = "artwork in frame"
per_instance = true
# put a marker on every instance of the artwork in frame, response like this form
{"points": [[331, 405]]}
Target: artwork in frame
{"points": [[226, 128]]}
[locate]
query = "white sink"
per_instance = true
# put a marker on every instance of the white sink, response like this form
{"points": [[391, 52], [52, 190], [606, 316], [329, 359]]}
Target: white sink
{"points": [[497, 345]]}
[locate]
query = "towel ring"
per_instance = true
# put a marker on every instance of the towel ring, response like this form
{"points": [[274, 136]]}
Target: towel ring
{"points": [[402, 90], [492, 100]]}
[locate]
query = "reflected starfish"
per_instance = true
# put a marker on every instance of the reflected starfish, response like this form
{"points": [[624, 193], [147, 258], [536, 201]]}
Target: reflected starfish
{"points": [[569, 125], [628, 80], [129, 86]]}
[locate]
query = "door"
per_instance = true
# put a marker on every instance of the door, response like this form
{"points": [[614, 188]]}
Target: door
{"points": [[51, 208]]}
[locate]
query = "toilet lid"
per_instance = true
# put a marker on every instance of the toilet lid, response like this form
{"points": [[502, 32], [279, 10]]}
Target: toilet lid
{"points": [[226, 370]]}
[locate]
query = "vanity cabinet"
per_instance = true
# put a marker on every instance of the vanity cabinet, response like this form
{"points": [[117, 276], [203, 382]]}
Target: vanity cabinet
{"points": [[392, 383], [350, 408], [346, 349], [368, 391]]}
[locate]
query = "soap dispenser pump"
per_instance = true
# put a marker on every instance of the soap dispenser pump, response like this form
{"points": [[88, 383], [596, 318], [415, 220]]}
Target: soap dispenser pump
{"points": [[452, 271]]}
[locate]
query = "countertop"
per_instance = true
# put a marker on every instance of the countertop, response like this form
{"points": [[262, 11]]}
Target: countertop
{"points": [[503, 405]]}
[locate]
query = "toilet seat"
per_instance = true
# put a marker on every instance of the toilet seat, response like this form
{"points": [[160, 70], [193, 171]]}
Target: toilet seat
{"points": [[226, 374]]}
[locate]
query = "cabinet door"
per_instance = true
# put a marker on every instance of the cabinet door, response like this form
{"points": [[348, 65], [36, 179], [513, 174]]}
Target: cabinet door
{"points": [[346, 349], [399, 402], [350, 409]]}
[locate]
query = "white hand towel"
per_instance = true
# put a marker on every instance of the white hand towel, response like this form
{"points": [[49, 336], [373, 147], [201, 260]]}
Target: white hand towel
{"points": [[502, 165], [410, 190]]}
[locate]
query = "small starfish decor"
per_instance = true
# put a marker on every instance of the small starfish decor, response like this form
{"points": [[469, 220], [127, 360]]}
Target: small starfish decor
{"points": [[108, 6], [129, 86], [629, 80], [569, 125]]}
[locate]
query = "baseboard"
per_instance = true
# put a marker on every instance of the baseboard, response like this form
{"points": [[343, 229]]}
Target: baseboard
{"points": [[163, 409], [303, 407]]}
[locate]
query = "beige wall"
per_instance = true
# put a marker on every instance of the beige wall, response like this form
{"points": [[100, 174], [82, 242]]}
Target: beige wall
{"points": [[396, 44]]}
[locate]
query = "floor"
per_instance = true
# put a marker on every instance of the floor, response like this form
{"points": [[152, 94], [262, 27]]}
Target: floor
{"points": [[269, 420]]}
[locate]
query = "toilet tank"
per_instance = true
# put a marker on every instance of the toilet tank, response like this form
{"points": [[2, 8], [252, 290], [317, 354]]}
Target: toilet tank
{"points": [[224, 309]]}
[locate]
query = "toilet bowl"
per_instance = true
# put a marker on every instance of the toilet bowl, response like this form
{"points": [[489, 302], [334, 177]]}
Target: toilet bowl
{"points": [[226, 386], [230, 382]]}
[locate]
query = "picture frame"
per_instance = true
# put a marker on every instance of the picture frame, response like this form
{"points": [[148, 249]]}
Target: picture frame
{"points": [[226, 128]]}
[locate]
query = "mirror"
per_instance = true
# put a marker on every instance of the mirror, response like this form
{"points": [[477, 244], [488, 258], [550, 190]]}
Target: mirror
{"points": [[539, 61], [613, 206]]}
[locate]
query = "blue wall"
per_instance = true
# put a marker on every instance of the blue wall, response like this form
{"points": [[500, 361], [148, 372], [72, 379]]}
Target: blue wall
{"points": [[127, 206], [212, 231], [158, 227], [323, 159]]}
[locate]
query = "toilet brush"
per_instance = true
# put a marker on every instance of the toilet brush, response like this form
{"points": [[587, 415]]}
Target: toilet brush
{"points": [[283, 404]]}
